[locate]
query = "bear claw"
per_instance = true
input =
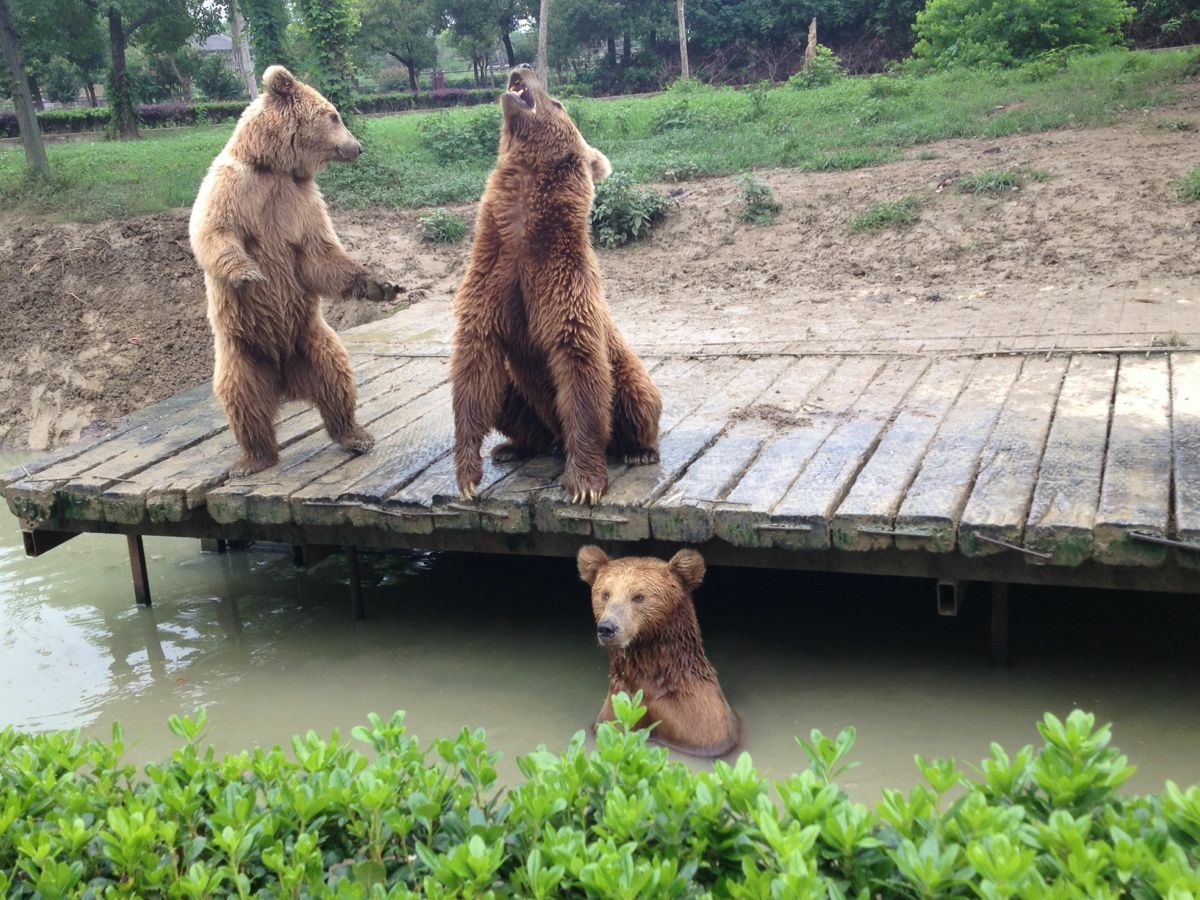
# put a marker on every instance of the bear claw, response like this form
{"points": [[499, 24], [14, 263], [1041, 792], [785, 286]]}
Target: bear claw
{"points": [[358, 441], [642, 456], [249, 465], [468, 491], [248, 277]]}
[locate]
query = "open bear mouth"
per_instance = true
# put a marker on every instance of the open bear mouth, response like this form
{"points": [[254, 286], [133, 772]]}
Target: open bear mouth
{"points": [[517, 88]]}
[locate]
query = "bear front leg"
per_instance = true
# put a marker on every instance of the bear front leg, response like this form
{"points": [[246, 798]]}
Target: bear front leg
{"points": [[248, 391], [322, 375], [583, 400], [327, 269], [223, 255]]}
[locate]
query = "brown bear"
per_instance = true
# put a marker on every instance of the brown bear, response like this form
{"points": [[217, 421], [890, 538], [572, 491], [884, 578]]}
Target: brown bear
{"points": [[536, 354], [645, 617], [261, 233]]}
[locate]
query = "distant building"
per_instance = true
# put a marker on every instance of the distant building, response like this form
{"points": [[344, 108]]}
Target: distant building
{"points": [[215, 43]]}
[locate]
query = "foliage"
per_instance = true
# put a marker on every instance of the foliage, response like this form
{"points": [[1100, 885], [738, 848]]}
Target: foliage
{"points": [[457, 138], [1004, 32], [897, 213], [621, 820], [825, 69], [759, 204], [623, 212], [440, 226], [217, 80], [331, 26], [267, 22], [403, 29], [998, 180], [61, 80], [392, 79], [1188, 187]]}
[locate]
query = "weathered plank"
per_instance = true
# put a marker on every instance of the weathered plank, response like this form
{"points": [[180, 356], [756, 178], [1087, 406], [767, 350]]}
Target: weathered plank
{"points": [[728, 384], [744, 515], [814, 496], [264, 497], [685, 511], [1009, 464], [1185, 438], [432, 498], [864, 519], [169, 490], [1135, 494], [1062, 516], [681, 392], [928, 517]]}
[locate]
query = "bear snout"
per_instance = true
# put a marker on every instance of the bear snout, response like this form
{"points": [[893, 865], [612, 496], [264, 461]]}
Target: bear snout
{"points": [[606, 630], [349, 152]]}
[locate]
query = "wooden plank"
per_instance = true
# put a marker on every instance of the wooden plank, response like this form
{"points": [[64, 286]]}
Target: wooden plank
{"points": [[1136, 492], [677, 381], [723, 384], [432, 499], [928, 517], [1062, 515], [874, 498], [813, 497], [685, 511], [264, 496], [1008, 469], [744, 515], [1185, 437], [169, 490]]}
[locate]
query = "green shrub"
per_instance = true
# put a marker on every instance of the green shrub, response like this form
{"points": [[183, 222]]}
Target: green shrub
{"points": [[458, 138], [622, 820], [1188, 187], [826, 68], [966, 33], [624, 212], [759, 204], [895, 214], [61, 81], [440, 226], [217, 80]]}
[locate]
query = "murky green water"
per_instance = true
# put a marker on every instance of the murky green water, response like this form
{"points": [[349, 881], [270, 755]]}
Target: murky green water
{"points": [[507, 644]]}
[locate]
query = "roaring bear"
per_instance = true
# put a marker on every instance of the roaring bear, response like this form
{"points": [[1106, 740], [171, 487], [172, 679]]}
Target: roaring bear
{"points": [[536, 354], [261, 233], [646, 619]]}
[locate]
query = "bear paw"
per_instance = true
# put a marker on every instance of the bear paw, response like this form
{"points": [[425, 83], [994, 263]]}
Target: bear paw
{"points": [[357, 441], [511, 452], [381, 291], [584, 488], [248, 465], [469, 473], [640, 456], [252, 275]]}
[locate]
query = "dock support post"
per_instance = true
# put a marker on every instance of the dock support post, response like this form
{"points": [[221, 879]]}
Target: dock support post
{"points": [[999, 631], [356, 593], [213, 545], [137, 562], [950, 592]]}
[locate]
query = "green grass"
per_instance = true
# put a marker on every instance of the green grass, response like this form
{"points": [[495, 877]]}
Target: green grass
{"points": [[440, 226], [1188, 187], [1000, 180], [896, 214], [700, 132]]}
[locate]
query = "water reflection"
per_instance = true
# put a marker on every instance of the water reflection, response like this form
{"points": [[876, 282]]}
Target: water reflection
{"points": [[506, 644]]}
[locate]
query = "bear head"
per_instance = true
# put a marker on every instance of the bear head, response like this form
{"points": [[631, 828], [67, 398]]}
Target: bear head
{"points": [[291, 129], [537, 130], [636, 598]]}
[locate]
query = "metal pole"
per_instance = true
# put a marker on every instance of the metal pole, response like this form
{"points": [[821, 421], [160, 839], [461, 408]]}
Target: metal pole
{"points": [[137, 562]]}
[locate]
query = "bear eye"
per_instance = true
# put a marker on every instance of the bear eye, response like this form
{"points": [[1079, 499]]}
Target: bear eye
{"points": [[334, 118], [638, 598], [605, 595]]}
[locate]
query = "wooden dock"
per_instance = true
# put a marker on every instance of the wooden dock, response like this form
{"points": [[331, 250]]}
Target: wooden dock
{"points": [[1074, 467]]}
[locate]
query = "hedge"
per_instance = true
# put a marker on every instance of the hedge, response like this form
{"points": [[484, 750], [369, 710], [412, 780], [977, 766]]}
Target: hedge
{"points": [[155, 115], [619, 820]]}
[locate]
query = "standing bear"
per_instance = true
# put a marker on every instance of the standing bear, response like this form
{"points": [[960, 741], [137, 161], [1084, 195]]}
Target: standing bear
{"points": [[536, 354], [645, 617], [261, 233]]}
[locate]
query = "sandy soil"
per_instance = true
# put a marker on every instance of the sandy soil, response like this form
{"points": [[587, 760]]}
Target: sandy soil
{"points": [[101, 319]]}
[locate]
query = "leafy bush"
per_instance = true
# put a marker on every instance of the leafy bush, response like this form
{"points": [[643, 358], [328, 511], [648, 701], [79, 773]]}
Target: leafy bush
{"points": [[759, 204], [898, 213], [440, 226], [1188, 188], [218, 80], [458, 138], [1005, 32], [62, 81], [624, 212], [393, 79], [826, 68], [621, 820]]}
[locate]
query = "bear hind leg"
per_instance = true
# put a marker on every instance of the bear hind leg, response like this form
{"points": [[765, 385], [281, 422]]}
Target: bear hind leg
{"points": [[637, 405], [526, 432], [322, 375], [248, 391]]}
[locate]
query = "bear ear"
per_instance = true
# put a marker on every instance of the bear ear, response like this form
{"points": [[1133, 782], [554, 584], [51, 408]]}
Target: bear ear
{"points": [[688, 567], [591, 560], [279, 81], [601, 167]]}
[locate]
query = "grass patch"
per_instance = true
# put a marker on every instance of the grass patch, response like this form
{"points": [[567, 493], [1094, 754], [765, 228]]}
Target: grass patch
{"points": [[441, 157], [1188, 187], [623, 212], [759, 203], [1000, 180], [440, 226], [897, 214], [1174, 125]]}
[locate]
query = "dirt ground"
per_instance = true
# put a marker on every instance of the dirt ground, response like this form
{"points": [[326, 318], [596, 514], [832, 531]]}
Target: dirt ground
{"points": [[101, 319]]}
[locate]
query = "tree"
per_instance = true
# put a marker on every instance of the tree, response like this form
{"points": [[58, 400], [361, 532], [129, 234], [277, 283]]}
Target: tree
{"points": [[217, 80], [405, 30], [331, 26], [62, 80], [241, 51], [63, 29], [267, 21], [543, 69], [684, 72], [31, 135]]}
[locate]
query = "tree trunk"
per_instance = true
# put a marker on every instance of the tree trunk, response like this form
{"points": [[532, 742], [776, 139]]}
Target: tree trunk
{"points": [[91, 92], [684, 72], [810, 52], [543, 68], [612, 50], [625, 49], [38, 101], [124, 117], [242, 63], [413, 84], [508, 49], [31, 134]]}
